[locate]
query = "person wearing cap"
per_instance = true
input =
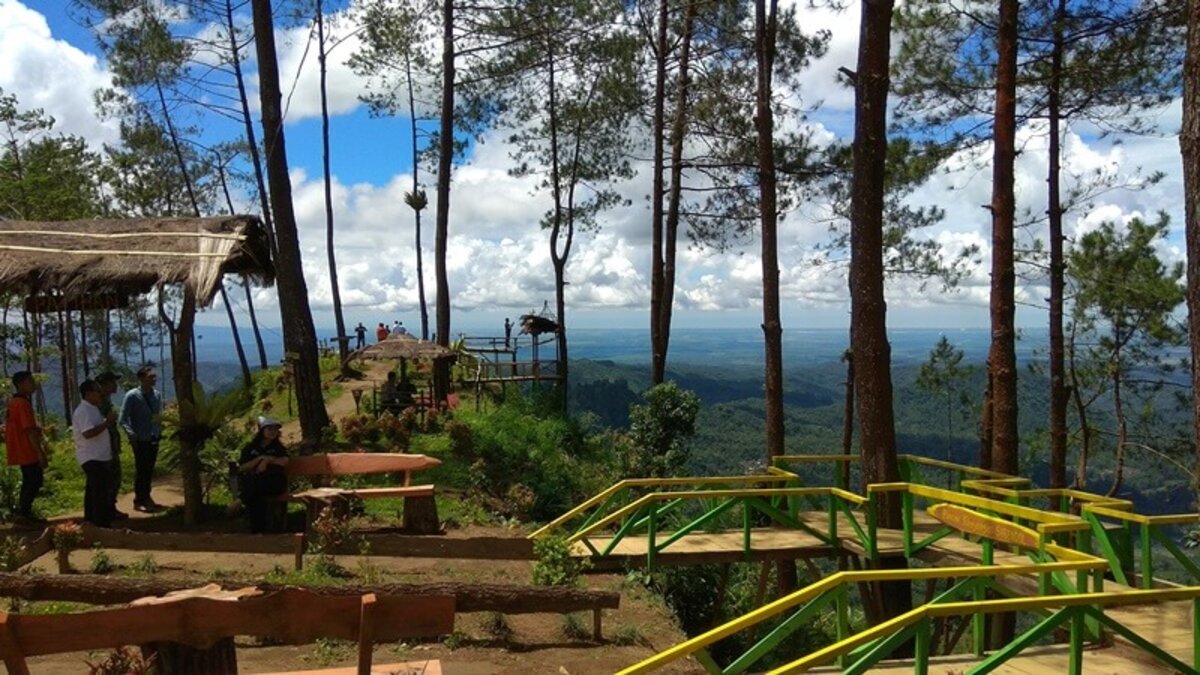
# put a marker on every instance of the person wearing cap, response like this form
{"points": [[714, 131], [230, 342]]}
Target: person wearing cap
{"points": [[108, 386], [263, 474]]}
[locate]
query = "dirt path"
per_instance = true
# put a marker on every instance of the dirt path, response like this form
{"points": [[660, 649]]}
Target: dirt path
{"points": [[374, 374]]}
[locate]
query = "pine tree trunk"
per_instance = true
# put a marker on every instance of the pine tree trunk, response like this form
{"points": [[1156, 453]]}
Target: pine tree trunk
{"points": [[868, 307], [670, 235], [340, 322], [247, 380], [1002, 357], [258, 341], [252, 144], [765, 25], [1058, 387], [847, 420], [299, 337], [985, 424], [1189, 145], [441, 373], [416, 170], [182, 374], [658, 350]]}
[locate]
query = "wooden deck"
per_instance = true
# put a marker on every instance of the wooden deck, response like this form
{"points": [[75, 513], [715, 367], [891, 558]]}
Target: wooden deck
{"points": [[767, 543], [1167, 625]]}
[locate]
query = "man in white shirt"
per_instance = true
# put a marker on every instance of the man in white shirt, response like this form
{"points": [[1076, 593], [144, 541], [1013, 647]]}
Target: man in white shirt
{"points": [[93, 451]]}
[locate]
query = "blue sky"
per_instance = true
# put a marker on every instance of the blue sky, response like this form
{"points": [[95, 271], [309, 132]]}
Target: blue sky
{"points": [[499, 260]]}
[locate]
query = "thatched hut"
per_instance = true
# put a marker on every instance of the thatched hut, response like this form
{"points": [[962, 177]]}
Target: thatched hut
{"points": [[79, 261], [100, 264]]}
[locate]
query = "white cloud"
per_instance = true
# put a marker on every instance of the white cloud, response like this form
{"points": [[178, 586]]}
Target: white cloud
{"points": [[49, 73]]}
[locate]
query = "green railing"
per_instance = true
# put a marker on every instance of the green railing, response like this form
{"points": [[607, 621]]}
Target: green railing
{"points": [[859, 650], [660, 518]]}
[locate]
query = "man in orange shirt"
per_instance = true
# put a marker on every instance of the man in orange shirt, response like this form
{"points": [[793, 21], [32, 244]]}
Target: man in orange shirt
{"points": [[26, 447]]}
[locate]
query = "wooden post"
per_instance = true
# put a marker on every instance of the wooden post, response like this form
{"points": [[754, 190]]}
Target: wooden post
{"points": [[14, 660], [366, 634], [298, 548], [421, 516], [597, 633], [172, 658]]}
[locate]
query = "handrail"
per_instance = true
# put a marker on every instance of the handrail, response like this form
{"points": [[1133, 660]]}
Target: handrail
{"points": [[1003, 605], [1140, 519], [637, 505], [848, 577], [627, 483], [974, 501]]}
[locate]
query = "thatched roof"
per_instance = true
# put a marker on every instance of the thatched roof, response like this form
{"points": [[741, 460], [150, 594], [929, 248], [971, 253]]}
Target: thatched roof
{"points": [[404, 347], [85, 258]]}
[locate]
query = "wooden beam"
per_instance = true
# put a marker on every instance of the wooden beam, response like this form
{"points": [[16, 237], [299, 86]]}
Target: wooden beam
{"points": [[293, 616], [98, 589]]}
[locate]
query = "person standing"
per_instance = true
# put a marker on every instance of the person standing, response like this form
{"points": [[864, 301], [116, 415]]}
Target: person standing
{"points": [[108, 386], [26, 447], [360, 332], [263, 472], [141, 418], [507, 332], [381, 333], [93, 450]]}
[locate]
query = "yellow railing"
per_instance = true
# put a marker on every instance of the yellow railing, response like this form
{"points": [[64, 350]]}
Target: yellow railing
{"points": [[832, 582]]}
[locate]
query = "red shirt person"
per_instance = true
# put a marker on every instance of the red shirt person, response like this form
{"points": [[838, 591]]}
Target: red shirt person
{"points": [[381, 333], [23, 440]]}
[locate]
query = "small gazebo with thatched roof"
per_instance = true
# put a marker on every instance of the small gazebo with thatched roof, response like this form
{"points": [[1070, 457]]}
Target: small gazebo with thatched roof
{"points": [[90, 262], [100, 264]]}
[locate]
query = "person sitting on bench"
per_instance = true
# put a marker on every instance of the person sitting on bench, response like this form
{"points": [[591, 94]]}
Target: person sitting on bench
{"points": [[263, 472]]}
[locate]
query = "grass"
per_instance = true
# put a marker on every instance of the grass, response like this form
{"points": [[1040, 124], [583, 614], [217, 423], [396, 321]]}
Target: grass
{"points": [[627, 634], [496, 625], [145, 565], [327, 651], [575, 628]]}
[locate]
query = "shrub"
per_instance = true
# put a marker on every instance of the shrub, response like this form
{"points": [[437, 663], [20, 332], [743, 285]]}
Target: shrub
{"points": [[574, 628], [101, 563], [144, 565], [554, 565], [659, 430], [496, 625], [11, 552], [462, 441]]}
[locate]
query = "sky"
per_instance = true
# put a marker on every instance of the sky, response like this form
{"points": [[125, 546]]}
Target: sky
{"points": [[499, 258]]}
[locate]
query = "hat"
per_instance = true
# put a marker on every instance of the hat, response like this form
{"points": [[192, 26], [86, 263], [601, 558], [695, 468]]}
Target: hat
{"points": [[264, 422], [107, 376]]}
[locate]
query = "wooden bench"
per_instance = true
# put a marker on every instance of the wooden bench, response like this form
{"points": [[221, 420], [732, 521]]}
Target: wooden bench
{"points": [[420, 507], [196, 627]]}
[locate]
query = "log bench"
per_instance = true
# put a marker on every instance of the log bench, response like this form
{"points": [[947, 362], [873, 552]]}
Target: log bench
{"points": [[420, 508], [193, 630]]}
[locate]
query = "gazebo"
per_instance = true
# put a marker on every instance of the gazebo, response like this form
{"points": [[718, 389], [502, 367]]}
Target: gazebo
{"points": [[405, 348], [100, 264]]}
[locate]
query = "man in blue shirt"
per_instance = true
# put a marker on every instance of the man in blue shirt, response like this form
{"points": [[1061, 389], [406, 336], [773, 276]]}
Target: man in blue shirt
{"points": [[141, 418]]}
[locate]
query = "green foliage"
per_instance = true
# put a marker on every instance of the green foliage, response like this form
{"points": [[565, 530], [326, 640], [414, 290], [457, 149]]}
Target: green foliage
{"points": [[101, 562], [659, 430], [944, 374], [554, 565], [496, 625], [328, 651], [574, 628], [209, 414], [145, 565], [628, 634], [11, 551], [527, 442]]}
